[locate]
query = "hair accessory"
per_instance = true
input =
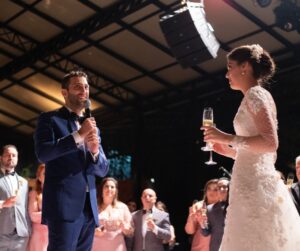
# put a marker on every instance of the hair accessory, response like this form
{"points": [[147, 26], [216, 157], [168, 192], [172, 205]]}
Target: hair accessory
{"points": [[256, 52]]}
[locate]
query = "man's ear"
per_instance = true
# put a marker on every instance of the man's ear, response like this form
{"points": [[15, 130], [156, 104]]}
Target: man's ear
{"points": [[64, 92]]}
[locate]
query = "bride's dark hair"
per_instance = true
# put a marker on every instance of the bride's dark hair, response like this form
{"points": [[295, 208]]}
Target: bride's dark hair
{"points": [[262, 63]]}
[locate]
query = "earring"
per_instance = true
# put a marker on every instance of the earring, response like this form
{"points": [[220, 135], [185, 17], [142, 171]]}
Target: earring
{"points": [[243, 73]]}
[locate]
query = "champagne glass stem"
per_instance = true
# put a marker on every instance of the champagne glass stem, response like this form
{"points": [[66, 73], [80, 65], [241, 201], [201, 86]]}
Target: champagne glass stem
{"points": [[210, 161]]}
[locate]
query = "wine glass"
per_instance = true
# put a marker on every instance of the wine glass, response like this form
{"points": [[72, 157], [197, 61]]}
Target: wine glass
{"points": [[207, 120], [204, 213], [210, 161], [290, 180]]}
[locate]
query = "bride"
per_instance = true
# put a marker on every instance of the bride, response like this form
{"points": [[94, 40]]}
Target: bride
{"points": [[261, 215]]}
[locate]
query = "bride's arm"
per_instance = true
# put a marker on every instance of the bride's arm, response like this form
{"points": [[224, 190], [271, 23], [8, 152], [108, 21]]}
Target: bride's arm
{"points": [[224, 150], [262, 109]]}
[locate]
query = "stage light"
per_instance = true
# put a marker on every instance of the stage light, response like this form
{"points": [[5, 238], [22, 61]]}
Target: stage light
{"points": [[287, 16], [263, 3]]}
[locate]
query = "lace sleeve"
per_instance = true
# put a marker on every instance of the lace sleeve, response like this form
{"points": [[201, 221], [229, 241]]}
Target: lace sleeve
{"points": [[261, 107]]}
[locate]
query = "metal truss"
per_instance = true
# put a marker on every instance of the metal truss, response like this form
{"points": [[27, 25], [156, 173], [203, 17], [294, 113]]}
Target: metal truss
{"points": [[73, 34]]}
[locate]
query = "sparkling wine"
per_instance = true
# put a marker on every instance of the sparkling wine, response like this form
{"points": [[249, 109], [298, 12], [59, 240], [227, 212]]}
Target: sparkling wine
{"points": [[207, 122]]}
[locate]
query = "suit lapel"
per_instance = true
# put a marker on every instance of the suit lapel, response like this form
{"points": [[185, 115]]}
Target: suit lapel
{"points": [[296, 193]]}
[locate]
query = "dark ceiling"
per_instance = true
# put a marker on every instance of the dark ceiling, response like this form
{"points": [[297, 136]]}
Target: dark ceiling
{"points": [[122, 48]]}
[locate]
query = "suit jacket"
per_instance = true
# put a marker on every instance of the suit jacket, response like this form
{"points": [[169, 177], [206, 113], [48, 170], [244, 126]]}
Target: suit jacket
{"points": [[295, 192], [216, 222], [151, 242], [69, 169], [15, 217]]}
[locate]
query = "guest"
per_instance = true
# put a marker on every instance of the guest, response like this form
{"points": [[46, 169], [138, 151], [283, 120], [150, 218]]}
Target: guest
{"points": [[168, 245], [74, 157], [114, 219], [151, 226], [295, 189], [192, 226], [213, 223], [39, 237], [132, 206], [14, 219]]}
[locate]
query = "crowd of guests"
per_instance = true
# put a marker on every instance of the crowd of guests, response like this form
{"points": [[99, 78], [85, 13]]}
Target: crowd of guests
{"points": [[122, 226]]}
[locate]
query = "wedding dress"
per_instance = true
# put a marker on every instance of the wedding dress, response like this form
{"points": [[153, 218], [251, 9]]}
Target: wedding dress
{"points": [[261, 215]]}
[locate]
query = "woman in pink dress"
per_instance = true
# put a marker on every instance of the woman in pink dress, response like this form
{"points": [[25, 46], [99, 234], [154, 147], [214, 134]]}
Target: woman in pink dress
{"points": [[114, 219], [192, 226], [39, 237]]}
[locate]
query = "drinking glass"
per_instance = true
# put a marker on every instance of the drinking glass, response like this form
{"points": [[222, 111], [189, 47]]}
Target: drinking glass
{"points": [[210, 161], [290, 180], [208, 120]]}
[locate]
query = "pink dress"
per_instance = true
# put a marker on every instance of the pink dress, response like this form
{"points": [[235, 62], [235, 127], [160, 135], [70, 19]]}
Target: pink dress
{"points": [[200, 242], [113, 238], [39, 237]]}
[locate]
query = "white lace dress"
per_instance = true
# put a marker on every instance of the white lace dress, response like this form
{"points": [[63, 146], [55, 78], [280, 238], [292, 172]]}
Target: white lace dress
{"points": [[261, 215]]}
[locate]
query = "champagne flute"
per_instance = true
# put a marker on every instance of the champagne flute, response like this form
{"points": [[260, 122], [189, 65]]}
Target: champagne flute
{"points": [[210, 161], [208, 120], [149, 218], [204, 213], [290, 180]]}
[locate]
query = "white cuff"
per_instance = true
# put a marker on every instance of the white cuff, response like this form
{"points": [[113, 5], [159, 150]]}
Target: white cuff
{"points": [[78, 139], [95, 156]]}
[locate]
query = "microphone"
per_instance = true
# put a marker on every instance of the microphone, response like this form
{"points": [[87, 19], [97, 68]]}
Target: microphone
{"points": [[225, 171], [87, 112]]}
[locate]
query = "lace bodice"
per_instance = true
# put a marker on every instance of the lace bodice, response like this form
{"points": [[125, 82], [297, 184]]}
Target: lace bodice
{"points": [[255, 122]]}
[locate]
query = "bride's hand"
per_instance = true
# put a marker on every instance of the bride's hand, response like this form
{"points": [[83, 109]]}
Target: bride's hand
{"points": [[214, 135]]}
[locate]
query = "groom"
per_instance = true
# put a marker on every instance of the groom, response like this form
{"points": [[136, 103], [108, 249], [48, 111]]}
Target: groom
{"points": [[73, 157]]}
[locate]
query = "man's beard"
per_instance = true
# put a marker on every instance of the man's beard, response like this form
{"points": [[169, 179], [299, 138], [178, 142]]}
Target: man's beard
{"points": [[75, 102]]}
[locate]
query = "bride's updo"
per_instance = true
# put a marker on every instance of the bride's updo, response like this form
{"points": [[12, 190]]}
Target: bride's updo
{"points": [[262, 63]]}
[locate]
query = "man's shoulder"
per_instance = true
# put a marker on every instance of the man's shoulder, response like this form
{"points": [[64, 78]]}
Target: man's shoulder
{"points": [[295, 185], [136, 213], [53, 113]]}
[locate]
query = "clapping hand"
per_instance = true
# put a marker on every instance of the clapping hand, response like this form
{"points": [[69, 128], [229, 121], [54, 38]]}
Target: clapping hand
{"points": [[100, 231], [126, 228], [10, 202]]}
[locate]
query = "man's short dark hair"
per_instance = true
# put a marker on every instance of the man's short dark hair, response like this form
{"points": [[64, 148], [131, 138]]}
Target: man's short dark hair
{"points": [[66, 80], [3, 148]]}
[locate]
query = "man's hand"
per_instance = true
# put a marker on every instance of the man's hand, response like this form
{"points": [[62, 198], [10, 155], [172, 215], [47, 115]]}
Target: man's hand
{"points": [[10, 202], [150, 224], [92, 141], [88, 125]]}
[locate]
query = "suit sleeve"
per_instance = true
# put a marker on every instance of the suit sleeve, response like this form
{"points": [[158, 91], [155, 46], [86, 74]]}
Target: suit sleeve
{"points": [[163, 231], [47, 147]]}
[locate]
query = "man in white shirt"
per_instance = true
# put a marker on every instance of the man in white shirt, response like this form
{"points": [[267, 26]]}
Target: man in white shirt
{"points": [[15, 223]]}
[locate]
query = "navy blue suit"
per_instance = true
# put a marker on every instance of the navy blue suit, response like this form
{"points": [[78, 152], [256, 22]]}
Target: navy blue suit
{"points": [[70, 169]]}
